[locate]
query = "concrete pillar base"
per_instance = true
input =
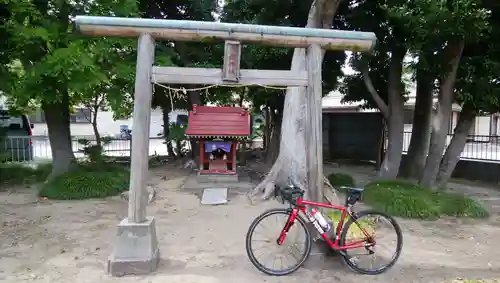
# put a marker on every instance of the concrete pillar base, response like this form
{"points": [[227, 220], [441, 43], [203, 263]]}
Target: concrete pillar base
{"points": [[135, 250]]}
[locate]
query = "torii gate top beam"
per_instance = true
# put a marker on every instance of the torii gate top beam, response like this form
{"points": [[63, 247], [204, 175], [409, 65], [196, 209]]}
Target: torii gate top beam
{"points": [[181, 30]]}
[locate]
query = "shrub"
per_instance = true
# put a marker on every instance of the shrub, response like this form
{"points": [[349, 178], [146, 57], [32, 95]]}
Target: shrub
{"points": [[96, 181], [94, 152], [21, 173], [400, 198], [341, 180]]}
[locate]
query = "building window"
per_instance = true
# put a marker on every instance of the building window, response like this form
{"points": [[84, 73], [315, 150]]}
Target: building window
{"points": [[81, 115], [38, 117], [494, 125]]}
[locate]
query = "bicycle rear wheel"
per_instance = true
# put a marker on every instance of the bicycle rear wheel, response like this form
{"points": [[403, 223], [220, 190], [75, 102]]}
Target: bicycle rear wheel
{"points": [[299, 256], [368, 222]]}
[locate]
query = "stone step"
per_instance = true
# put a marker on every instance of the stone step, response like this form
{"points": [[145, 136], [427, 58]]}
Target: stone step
{"points": [[192, 184], [212, 178]]}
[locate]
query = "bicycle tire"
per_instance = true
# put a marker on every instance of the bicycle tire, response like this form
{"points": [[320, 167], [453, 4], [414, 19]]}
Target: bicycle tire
{"points": [[399, 244], [251, 255]]}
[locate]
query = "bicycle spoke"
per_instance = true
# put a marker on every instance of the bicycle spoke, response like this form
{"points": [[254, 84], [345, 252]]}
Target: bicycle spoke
{"points": [[371, 259], [264, 250]]}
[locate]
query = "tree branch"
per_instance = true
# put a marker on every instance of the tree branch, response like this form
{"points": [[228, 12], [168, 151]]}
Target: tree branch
{"points": [[85, 115], [382, 106]]}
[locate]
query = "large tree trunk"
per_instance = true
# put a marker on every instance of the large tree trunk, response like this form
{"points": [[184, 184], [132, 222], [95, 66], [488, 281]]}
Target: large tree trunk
{"points": [[165, 110], [442, 118], [421, 130], [392, 157], [457, 144], [273, 148], [57, 117], [94, 127], [290, 166]]}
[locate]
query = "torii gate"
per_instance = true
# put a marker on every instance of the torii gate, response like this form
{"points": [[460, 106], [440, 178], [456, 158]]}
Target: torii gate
{"points": [[136, 248]]}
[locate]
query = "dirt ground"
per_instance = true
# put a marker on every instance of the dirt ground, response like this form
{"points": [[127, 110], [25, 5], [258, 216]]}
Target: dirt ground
{"points": [[58, 241]]}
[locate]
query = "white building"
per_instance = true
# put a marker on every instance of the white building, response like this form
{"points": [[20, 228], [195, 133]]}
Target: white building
{"points": [[484, 125], [107, 126]]}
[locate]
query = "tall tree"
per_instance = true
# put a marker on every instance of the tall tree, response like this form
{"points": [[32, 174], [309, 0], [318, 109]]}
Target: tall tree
{"points": [[113, 88], [454, 24], [289, 166], [422, 113], [423, 29], [477, 90], [381, 74], [55, 63]]}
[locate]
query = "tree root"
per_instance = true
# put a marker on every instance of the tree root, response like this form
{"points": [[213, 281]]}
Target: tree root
{"points": [[266, 186], [265, 189]]}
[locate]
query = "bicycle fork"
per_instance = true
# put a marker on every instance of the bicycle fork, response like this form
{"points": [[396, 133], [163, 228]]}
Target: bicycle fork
{"points": [[288, 225]]}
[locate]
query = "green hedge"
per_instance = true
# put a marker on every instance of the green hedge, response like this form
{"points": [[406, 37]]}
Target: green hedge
{"points": [[96, 181], [341, 180], [20, 173], [400, 198]]}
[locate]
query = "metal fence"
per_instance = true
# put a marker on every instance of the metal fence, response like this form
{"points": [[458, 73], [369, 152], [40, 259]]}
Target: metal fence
{"points": [[478, 147], [20, 149], [26, 149]]}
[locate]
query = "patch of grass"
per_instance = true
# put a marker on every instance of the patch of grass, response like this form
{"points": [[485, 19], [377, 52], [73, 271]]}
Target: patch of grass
{"points": [[96, 181], [17, 173], [341, 180], [354, 230], [403, 199]]}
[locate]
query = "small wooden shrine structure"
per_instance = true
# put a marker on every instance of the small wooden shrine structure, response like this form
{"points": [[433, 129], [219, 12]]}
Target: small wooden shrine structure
{"points": [[218, 130]]}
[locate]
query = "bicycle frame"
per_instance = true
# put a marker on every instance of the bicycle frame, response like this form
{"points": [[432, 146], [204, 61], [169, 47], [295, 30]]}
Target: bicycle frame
{"points": [[301, 206]]}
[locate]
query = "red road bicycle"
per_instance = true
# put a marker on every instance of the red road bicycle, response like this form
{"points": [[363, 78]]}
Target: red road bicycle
{"points": [[364, 230]]}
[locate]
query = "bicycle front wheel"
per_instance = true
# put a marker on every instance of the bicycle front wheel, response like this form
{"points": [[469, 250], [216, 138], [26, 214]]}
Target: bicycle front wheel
{"points": [[280, 259], [384, 238]]}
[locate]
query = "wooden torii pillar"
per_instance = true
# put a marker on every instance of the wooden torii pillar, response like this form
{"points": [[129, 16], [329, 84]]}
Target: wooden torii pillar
{"points": [[136, 248]]}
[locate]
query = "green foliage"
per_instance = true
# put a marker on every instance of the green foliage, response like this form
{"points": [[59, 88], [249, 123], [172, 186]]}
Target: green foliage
{"points": [[437, 21], [400, 198], [177, 131], [88, 181], [281, 13], [177, 134], [94, 152], [106, 140], [186, 54], [46, 60], [341, 180], [422, 28], [20, 173]]}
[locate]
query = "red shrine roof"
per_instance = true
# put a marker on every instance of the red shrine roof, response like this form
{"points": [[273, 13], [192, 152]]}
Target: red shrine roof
{"points": [[218, 122]]}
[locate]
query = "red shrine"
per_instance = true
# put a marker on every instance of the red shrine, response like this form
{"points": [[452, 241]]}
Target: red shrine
{"points": [[218, 130]]}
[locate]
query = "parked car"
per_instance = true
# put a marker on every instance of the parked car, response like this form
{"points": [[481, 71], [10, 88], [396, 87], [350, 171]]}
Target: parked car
{"points": [[17, 144]]}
